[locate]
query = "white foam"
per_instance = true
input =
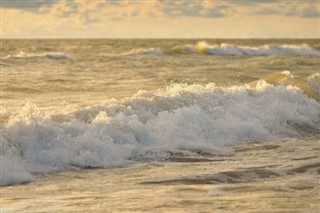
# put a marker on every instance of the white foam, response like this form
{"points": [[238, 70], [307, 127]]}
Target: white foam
{"points": [[12, 167], [50, 55], [229, 49], [56, 55], [183, 117], [144, 51], [314, 81]]}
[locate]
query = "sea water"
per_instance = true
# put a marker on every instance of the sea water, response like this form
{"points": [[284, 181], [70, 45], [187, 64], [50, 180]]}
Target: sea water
{"points": [[160, 125]]}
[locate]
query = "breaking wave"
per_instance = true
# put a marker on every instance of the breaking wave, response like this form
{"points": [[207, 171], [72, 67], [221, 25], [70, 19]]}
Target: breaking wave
{"points": [[229, 49], [142, 51], [182, 118], [49, 55]]}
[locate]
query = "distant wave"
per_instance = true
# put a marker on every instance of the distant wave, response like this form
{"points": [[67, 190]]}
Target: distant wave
{"points": [[50, 55], [229, 49], [142, 51], [191, 118]]}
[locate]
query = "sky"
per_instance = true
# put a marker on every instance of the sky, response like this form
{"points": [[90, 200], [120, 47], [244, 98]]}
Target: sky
{"points": [[160, 18]]}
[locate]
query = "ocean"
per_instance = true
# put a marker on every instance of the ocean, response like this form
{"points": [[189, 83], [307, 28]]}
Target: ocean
{"points": [[160, 125]]}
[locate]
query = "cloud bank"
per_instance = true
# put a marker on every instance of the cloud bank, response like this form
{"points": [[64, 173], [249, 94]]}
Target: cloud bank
{"points": [[114, 16]]}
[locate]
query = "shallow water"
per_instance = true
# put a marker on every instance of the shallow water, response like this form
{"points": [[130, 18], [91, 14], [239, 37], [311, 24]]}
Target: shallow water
{"points": [[161, 125], [263, 177]]}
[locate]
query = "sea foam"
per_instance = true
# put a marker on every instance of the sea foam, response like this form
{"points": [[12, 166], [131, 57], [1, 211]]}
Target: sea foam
{"points": [[49, 55], [193, 118], [144, 51], [229, 49]]}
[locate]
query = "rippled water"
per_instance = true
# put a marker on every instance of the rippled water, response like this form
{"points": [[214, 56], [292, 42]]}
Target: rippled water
{"points": [[263, 177], [160, 125]]}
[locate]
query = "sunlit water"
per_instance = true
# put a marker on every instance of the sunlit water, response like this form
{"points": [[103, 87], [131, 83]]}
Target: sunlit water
{"points": [[160, 125]]}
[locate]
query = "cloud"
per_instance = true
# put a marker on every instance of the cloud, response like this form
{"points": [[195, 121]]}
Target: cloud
{"points": [[203, 8], [311, 12], [120, 9], [158, 18], [125, 9], [219, 9], [290, 8], [64, 9], [259, 2], [26, 4]]}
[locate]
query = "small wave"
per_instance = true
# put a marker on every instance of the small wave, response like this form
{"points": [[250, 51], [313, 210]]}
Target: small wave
{"points": [[309, 85], [240, 176], [50, 55], [143, 51], [314, 81], [195, 118], [229, 49]]}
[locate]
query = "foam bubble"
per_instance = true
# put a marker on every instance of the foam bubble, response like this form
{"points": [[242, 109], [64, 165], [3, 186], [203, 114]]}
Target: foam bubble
{"points": [[12, 166], [183, 117]]}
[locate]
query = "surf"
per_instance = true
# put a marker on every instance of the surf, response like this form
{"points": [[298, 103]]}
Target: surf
{"points": [[226, 49], [191, 118], [48, 55], [308, 85]]}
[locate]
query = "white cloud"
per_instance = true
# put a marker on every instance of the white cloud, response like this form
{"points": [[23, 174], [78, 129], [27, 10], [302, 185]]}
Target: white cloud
{"points": [[161, 18]]}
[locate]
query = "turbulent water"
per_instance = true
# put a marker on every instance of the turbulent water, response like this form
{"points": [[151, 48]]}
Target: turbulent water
{"points": [[182, 116]]}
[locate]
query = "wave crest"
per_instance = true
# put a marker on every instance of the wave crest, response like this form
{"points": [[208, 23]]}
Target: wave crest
{"points": [[49, 55], [203, 118], [229, 49]]}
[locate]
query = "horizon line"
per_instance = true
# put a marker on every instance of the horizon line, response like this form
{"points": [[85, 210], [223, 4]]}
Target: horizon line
{"points": [[152, 38]]}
